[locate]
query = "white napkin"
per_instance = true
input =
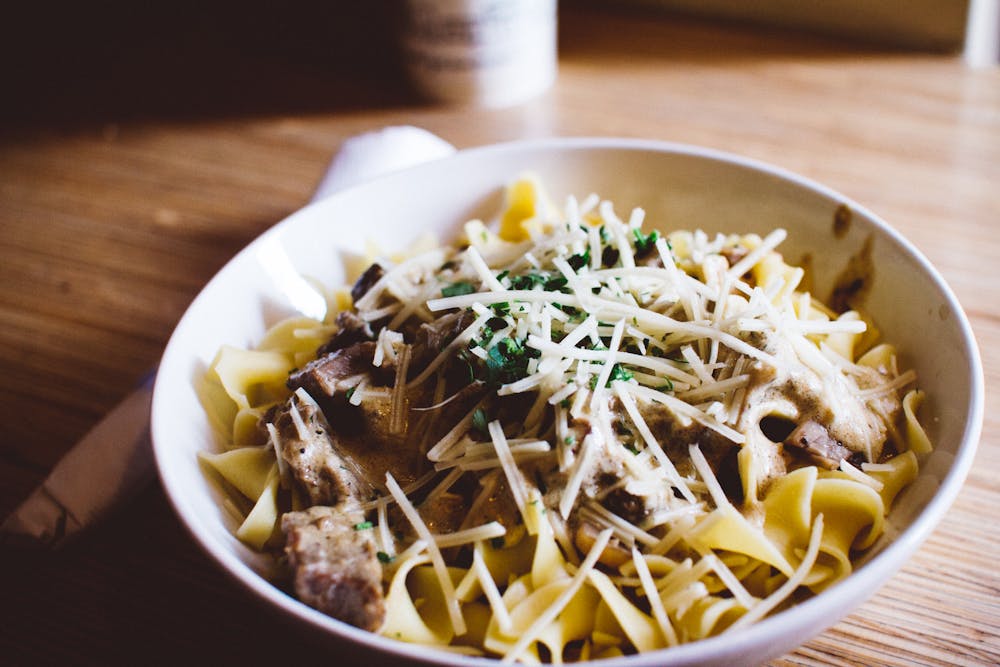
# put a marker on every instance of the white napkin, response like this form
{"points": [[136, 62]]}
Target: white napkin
{"points": [[115, 458]]}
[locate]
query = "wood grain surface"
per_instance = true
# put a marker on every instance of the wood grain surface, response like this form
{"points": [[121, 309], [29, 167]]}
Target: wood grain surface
{"points": [[135, 161]]}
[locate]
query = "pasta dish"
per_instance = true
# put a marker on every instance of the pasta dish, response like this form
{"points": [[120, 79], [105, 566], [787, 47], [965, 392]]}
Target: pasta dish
{"points": [[565, 437]]}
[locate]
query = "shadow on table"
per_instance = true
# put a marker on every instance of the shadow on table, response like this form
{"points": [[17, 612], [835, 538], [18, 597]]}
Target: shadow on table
{"points": [[137, 590], [76, 63]]}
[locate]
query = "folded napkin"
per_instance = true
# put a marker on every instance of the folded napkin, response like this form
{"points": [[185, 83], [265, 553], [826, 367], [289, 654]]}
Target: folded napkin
{"points": [[115, 458]]}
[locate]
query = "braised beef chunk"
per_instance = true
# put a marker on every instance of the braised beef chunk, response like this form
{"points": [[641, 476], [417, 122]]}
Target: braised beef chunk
{"points": [[351, 329], [336, 567], [432, 337], [319, 466], [628, 506], [366, 281], [320, 377], [813, 438]]}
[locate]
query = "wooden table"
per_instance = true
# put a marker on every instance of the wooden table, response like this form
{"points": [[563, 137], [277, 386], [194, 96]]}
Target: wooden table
{"points": [[133, 165]]}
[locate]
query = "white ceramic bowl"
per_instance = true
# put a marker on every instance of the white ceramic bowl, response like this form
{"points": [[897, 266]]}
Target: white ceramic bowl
{"points": [[680, 187]]}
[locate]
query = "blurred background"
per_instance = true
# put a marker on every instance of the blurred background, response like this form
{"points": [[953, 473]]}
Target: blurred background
{"points": [[115, 60]]}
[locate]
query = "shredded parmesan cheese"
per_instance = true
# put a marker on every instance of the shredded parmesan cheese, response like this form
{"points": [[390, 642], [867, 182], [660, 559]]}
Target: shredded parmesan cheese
{"points": [[437, 560]]}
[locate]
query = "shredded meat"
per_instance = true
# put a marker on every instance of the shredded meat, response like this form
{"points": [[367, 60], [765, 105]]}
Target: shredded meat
{"points": [[336, 566], [325, 473], [366, 281], [813, 438], [351, 329], [321, 377], [432, 337], [628, 506]]}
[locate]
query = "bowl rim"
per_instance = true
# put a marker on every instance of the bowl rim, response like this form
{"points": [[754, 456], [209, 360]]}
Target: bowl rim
{"points": [[816, 613]]}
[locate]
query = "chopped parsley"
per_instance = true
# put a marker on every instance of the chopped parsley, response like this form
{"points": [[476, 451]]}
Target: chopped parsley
{"points": [[479, 421], [465, 357], [572, 311], [383, 557], [547, 281], [556, 284], [579, 260], [507, 361], [527, 281], [457, 289], [618, 372], [501, 309], [644, 243], [492, 325], [364, 525]]}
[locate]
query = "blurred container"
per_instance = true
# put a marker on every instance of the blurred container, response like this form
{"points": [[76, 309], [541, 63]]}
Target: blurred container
{"points": [[490, 53]]}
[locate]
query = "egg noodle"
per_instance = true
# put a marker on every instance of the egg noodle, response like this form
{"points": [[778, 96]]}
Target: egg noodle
{"points": [[686, 441]]}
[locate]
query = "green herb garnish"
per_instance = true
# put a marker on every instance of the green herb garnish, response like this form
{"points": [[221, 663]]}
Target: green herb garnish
{"points": [[491, 326], [479, 421], [457, 289], [364, 525], [555, 284], [579, 260], [507, 361], [618, 372], [644, 243], [383, 557], [501, 309], [527, 281], [465, 357], [572, 311]]}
